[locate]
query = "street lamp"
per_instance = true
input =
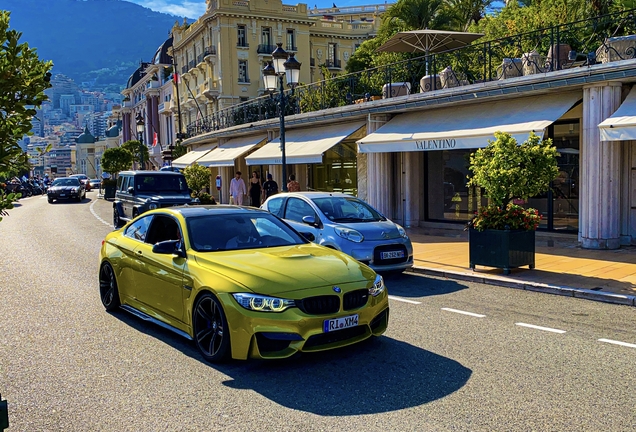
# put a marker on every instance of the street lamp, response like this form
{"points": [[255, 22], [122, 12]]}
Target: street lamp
{"points": [[140, 135], [283, 64]]}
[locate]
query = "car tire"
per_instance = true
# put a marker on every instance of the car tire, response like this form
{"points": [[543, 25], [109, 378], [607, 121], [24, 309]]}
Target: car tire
{"points": [[210, 330], [50, 200], [108, 291], [135, 213], [116, 219]]}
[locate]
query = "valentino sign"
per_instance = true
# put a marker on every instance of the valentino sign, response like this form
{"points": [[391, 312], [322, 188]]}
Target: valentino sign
{"points": [[435, 144]]}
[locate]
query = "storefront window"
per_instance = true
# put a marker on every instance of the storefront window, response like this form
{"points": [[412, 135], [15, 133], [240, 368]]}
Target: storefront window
{"points": [[449, 199], [338, 172]]}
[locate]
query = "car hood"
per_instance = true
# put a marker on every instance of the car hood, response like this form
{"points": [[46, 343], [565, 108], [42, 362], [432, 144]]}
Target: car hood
{"points": [[169, 198], [381, 230], [276, 270], [62, 188]]}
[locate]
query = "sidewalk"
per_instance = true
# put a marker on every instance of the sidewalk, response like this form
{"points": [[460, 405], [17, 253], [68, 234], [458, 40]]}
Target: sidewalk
{"points": [[562, 267]]}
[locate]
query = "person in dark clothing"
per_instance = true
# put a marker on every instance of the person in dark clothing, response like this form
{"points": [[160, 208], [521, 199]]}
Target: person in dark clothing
{"points": [[255, 190], [270, 187]]}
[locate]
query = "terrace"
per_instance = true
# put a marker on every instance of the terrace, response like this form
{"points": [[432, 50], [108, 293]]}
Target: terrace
{"points": [[604, 39]]}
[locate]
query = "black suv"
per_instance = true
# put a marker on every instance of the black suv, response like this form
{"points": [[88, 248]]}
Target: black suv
{"points": [[139, 191]]}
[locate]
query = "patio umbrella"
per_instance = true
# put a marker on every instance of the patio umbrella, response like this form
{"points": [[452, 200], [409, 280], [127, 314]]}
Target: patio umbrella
{"points": [[427, 41]]}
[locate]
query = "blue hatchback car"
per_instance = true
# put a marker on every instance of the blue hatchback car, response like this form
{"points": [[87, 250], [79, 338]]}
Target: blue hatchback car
{"points": [[348, 224]]}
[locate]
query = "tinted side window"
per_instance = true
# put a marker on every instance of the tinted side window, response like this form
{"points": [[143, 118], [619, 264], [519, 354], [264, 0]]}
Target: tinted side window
{"points": [[163, 228], [274, 205], [139, 229], [297, 209]]}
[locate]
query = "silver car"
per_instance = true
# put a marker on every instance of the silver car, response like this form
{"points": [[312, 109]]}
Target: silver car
{"points": [[348, 224]]}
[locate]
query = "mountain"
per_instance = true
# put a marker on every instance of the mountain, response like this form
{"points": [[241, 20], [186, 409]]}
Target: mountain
{"points": [[100, 40]]}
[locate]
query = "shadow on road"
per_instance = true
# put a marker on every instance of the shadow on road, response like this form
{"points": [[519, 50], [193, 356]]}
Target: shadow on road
{"points": [[375, 376], [413, 285]]}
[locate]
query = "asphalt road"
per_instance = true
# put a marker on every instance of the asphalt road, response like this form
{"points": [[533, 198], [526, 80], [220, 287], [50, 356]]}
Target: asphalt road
{"points": [[67, 365]]}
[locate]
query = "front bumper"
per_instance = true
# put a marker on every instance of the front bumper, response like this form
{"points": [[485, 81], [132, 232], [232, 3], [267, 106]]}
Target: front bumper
{"points": [[266, 335], [63, 195], [368, 252]]}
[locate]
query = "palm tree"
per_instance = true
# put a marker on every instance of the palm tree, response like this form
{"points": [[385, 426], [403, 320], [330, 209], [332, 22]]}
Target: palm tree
{"points": [[418, 14]]}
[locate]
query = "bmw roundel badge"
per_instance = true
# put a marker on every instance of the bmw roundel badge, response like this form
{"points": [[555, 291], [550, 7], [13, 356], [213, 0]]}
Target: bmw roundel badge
{"points": [[337, 289]]}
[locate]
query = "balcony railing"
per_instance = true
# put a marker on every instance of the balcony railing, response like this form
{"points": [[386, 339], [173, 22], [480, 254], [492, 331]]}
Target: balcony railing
{"points": [[211, 50], [603, 39], [265, 49], [200, 58], [191, 64], [184, 69], [333, 64]]}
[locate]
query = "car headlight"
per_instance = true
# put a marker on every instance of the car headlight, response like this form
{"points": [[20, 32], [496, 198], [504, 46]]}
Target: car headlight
{"points": [[378, 286], [349, 234], [401, 231], [152, 206], [76, 189], [259, 303]]}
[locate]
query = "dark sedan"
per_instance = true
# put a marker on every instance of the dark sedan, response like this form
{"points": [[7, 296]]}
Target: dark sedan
{"points": [[66, 188]]}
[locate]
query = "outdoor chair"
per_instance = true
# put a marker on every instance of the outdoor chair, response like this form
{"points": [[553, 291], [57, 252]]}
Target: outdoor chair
{"points": [[430, 83], [562, 58], [396, 89], [617, 48], [531, 63], [510, 68], [448, 78]]}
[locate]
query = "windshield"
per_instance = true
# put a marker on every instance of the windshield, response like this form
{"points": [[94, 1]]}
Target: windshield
{"points": [[161, 183], [239, 231], [66, 182], [347, 209]]}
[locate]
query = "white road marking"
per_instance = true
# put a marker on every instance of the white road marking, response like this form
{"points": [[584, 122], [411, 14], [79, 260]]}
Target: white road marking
{"points": [[548, 329], [625, 344], [404, 300], [464, 313], [99, 218]]}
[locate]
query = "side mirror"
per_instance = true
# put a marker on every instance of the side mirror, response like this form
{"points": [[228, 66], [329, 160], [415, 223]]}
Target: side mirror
{"points": [[309, 236], [169, 247], [309, 220], [131, 190]]}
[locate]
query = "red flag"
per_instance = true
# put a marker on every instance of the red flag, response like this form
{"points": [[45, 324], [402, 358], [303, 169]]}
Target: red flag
{"points": [[155, 139], [176, 77]]}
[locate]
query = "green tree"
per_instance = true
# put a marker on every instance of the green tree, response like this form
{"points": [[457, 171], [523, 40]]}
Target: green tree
{"points": [[418, 14], [507, 171], [179, 150], [197, 177], [116, 159], [23, 79], [134, 147]]}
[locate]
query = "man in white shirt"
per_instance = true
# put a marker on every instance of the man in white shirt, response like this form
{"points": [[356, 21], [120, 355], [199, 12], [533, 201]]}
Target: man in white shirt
{"points": [[238, 189]]}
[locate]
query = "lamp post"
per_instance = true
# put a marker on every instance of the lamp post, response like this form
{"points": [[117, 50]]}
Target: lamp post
{"points": [[140, 135], [283, 64]]}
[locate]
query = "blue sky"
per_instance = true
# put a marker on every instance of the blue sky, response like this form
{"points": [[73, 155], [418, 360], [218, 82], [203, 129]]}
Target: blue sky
{"points": [[195, 8]]}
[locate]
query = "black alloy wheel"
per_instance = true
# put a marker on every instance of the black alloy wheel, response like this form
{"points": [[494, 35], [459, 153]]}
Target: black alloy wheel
{"points": [[211, 333], [116, 218], [50, 200], [108, 287]]}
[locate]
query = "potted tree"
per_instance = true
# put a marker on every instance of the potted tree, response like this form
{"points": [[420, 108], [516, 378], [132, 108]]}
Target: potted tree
{"points": [[114, 160], [502, 234], [198, 178]]}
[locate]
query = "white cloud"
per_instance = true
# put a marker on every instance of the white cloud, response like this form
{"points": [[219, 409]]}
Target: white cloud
{"points": [[184, 8]]}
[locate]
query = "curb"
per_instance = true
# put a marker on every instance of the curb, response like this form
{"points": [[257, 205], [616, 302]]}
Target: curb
{"points": [[621, 299]]}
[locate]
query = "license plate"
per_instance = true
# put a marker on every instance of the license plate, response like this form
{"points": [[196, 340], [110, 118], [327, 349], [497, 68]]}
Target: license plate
{"points": [[340, 323], [62, 194], [392, 254]]}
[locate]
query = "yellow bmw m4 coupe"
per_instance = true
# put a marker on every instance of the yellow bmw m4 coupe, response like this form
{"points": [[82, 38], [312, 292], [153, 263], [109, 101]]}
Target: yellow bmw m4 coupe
{"points": [[240, 283]]}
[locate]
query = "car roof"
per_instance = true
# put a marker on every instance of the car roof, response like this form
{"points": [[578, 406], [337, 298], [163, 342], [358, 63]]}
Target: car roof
{"points": [[163, 173], [316, 194], [205, 210]]}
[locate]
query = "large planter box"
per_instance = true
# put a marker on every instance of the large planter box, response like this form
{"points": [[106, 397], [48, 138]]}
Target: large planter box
{"points": [[503, 249], [109, 192]]}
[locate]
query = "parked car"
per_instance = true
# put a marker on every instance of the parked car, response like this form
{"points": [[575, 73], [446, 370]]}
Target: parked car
{"points": [[66, 188], [84, 179], [348, 224], [240, 283], [94, 183], [140, 191]]}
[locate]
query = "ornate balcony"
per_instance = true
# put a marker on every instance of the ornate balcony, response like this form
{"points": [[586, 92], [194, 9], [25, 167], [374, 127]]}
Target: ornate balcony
{"points": [[333, 64], [212, 88]]}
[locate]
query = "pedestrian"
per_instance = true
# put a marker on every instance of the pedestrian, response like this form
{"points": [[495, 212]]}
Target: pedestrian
{"points": [[270, 187], [293, 185], [255, 189], [237, 189]]}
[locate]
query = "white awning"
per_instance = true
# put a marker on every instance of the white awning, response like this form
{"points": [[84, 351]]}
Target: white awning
{"points": [[621, 126], [303, 145], [225, 154], [192, 156], [468, 126]]}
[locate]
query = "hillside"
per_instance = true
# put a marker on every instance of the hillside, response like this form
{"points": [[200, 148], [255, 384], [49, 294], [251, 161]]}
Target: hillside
{"points": [[102, 40]]}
